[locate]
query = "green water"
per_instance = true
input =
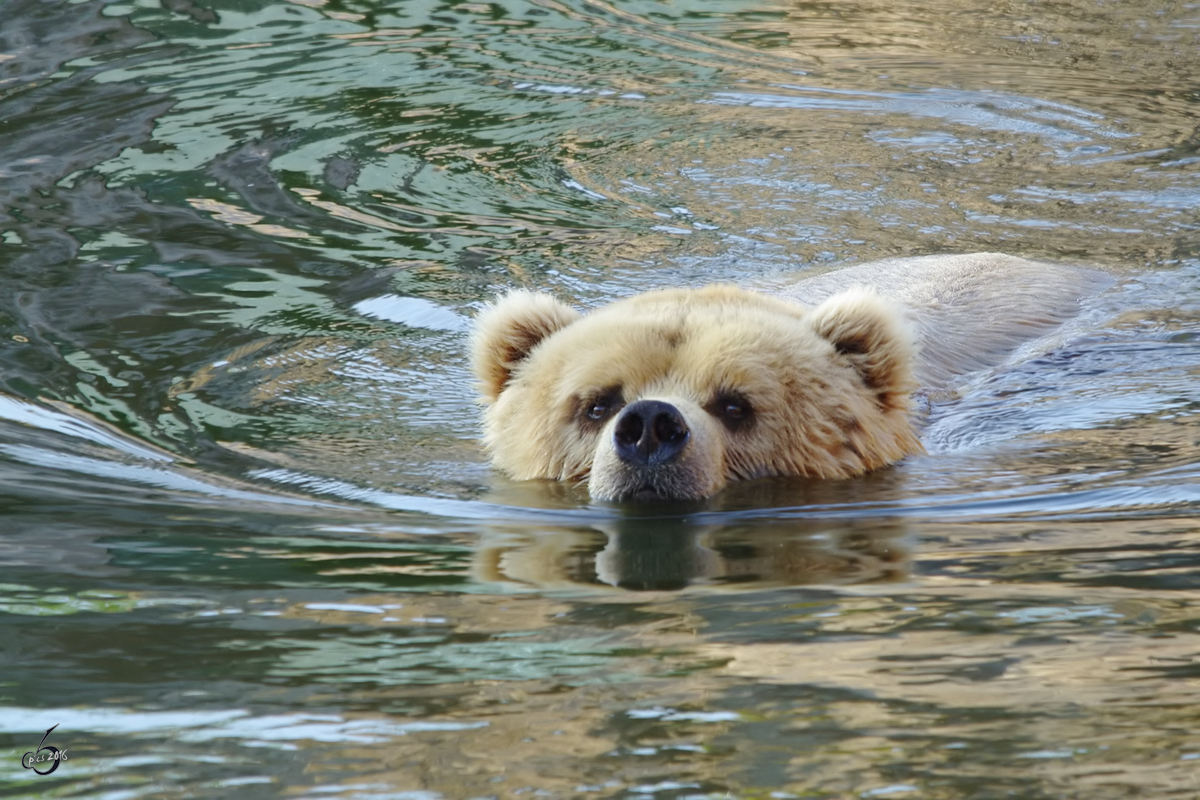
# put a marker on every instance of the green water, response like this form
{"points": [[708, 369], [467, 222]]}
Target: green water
{"points": [[250, 546]]}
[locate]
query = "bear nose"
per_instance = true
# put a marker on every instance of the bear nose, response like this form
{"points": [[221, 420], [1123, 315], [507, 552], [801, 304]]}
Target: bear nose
{"points": [[649, 432]]}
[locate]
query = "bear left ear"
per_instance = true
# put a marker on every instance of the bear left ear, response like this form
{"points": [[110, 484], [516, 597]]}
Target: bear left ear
{"points": [[507, 330], [875, 337]]}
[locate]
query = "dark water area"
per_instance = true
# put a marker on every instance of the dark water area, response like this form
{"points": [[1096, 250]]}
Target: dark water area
{"points": [[250, 545]]}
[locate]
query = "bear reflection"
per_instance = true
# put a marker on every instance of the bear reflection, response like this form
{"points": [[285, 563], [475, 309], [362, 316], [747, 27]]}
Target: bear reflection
{"points": [[679, 545]]}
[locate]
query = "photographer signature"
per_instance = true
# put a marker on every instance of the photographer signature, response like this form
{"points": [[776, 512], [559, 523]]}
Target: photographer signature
{"points": [[44, 753]]}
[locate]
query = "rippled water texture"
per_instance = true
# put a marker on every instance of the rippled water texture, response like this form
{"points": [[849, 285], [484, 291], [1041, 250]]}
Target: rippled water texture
{"points": [[249, 544]]}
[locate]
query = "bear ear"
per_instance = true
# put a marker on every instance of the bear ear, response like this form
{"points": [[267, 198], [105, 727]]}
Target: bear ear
{"points": [[507, 330], [874, 335]]}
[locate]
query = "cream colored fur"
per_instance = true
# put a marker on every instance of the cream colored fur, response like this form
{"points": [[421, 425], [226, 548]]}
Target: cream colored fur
{"points": [[825, 391]]}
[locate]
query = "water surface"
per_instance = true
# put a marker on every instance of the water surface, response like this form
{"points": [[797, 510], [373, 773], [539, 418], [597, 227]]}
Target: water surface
{"points": [[250, 546]]}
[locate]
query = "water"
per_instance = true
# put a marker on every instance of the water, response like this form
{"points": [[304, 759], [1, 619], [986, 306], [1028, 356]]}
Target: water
{"points": [[250, 545]]}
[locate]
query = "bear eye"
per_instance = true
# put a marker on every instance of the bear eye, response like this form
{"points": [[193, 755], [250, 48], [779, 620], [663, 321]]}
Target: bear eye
{"points": [[595, 408], [599, 410], [733, 409]]}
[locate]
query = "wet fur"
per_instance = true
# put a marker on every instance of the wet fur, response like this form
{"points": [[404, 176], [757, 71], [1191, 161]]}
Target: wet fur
{"points": [[828, 370], [829, 387]]}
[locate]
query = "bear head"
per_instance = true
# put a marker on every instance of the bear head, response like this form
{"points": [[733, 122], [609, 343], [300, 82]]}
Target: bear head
{"points": [[672, 394]]}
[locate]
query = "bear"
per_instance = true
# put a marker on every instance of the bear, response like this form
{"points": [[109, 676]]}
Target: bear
{"points": [[672, 394]]}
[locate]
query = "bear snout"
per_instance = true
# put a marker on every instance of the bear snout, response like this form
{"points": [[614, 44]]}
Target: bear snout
{"points": [[649, 432]]}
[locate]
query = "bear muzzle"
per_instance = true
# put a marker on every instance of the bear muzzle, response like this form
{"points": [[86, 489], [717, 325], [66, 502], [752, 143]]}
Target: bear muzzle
{"points": [[649, 432], [657, 449]]}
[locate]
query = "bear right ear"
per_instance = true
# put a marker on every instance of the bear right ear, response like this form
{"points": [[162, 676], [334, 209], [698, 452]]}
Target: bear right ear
{"points": [[507, 330], [875, 337]]}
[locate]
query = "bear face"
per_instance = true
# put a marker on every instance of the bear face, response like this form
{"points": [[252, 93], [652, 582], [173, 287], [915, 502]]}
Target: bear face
{"points": [[672, 394]]}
